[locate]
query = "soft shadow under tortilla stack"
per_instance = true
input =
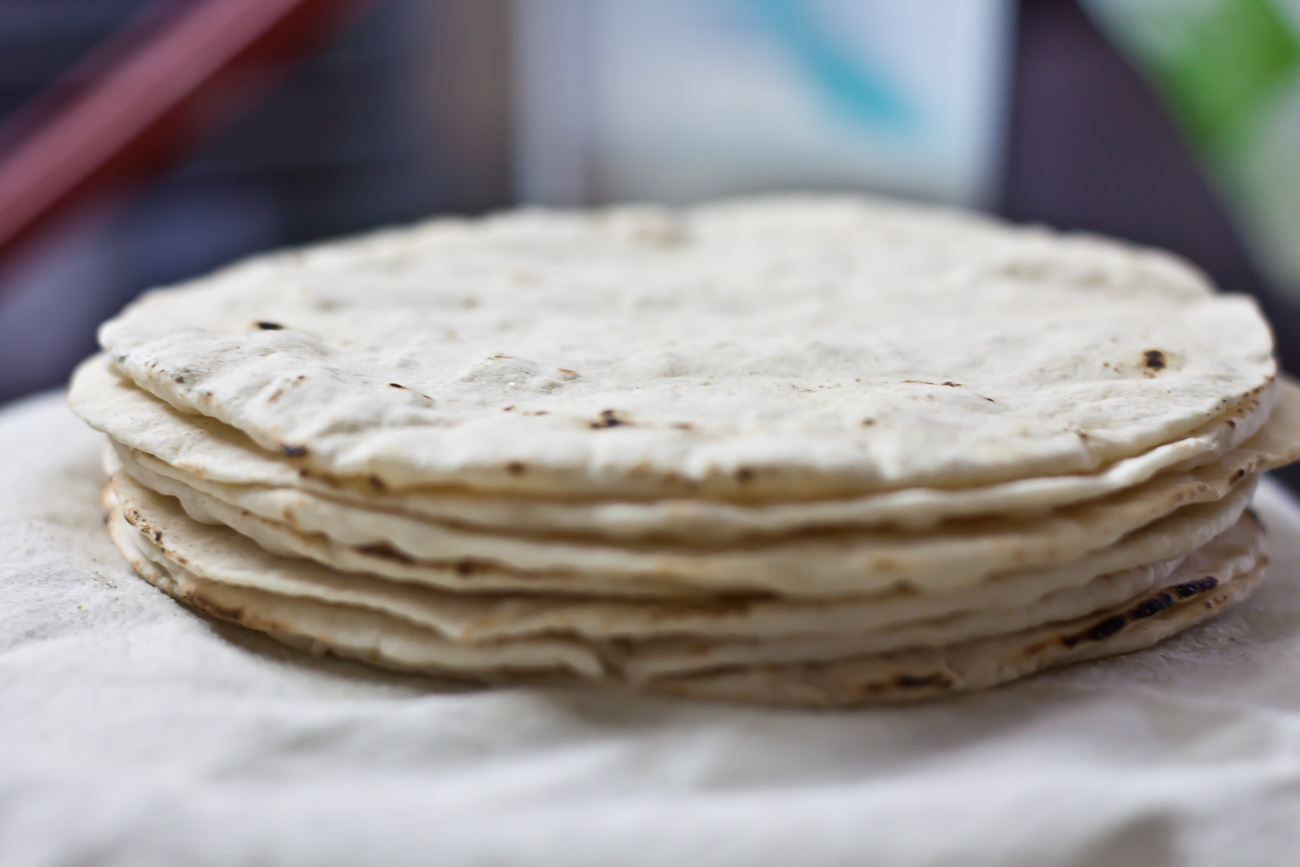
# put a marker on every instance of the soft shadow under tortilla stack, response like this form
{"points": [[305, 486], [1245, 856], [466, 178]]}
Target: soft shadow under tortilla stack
{"points": [[810, 451]]}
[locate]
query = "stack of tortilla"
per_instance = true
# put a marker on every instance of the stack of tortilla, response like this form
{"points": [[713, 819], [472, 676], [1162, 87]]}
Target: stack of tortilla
{"points": [[813, 451]]}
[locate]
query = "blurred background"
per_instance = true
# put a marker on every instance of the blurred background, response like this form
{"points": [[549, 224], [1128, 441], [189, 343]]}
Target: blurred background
{"points": [[1174, 123]]}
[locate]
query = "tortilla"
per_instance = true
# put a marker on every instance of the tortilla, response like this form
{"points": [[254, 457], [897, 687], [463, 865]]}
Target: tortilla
{"points": [[269, 612], [1236, 552], [188, 447], [927, 674], [910, 674], [832, 563], [779, 349], [218, 554]]}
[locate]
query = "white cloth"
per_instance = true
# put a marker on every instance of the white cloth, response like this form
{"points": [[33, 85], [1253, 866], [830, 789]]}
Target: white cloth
{"points": [[134, 732]]}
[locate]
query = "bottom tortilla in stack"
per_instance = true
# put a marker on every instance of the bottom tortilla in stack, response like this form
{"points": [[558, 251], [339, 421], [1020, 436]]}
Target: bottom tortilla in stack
{"points": [[380, 625], [1194, 550]]}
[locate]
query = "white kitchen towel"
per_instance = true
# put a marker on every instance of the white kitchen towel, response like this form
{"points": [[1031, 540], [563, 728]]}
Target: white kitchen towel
{"points": [[134, 732]]}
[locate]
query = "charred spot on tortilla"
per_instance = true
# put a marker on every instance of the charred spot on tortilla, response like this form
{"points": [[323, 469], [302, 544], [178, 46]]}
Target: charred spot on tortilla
{"points": [[1106, 628], [1152, 606], [912, 681], [608, 418], [1188, 589]]}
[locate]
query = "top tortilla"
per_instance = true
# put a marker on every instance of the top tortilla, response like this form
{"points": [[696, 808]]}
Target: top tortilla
{"points": [[210, 451], [775, 349]]}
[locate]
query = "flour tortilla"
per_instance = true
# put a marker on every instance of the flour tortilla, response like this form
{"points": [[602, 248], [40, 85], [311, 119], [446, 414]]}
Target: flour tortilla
{"points": [[902, 675], [218, 554], [384, 637], [982, 664], [839, 563], [780, 349], [797, 569], [1234, 552], [1187, 529], [188, 447]]}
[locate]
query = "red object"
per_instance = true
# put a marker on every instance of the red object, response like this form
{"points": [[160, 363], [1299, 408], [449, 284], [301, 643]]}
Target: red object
{"points": [[153, 103]]}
